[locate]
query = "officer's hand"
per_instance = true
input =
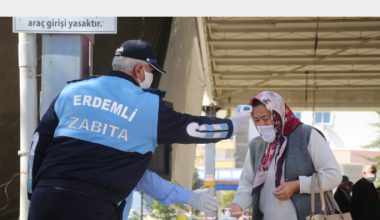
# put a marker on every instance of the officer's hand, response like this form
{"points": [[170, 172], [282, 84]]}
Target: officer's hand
{"points": [[204, 200], [241, 119]]}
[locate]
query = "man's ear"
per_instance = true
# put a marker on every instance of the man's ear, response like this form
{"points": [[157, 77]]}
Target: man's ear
{"points": [[138, 72]]}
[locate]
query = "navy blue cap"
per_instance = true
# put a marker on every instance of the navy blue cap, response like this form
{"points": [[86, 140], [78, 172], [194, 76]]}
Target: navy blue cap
{"points": [[140, 50]]}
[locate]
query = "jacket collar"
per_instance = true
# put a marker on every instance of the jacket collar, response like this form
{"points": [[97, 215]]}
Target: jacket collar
{"points": [[158, 92], [122, 75]]}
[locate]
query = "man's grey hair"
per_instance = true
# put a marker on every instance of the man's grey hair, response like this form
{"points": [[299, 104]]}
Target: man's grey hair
{"points": [[369, 166], [125, 64]]}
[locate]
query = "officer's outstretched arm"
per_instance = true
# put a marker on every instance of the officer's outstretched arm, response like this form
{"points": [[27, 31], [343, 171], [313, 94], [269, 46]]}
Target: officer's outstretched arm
{"points": [[175, 127], [168, 193]]}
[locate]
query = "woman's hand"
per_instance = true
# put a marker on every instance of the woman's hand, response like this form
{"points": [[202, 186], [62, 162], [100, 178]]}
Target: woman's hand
{"points": [[286, 190], [235, 210]]}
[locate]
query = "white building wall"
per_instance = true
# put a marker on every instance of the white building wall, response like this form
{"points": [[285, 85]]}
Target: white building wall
{"points": [[349, 130], [347, 134]]}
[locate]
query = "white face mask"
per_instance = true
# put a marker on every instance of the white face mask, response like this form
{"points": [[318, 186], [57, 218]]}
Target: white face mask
{"points": [[371, 177], [148, 80], [267, 133]]}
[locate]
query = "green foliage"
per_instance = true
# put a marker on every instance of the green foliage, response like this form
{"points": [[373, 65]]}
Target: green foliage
{"points": [[377, 184], [226, 198], [135, 216], [162, 212], [375, 160], [376, 142], [196, 184]]}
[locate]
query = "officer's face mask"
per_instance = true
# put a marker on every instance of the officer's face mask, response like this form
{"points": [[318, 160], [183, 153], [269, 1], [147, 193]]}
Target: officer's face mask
{"points": [[148, 80], [267, 132]]}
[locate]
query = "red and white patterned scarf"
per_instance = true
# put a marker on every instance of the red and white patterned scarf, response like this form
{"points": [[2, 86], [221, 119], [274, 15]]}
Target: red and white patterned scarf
{"points": [[284, 122]]}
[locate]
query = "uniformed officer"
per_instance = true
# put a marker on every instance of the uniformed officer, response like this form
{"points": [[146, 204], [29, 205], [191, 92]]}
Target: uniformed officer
{"points": [[94, 143]]}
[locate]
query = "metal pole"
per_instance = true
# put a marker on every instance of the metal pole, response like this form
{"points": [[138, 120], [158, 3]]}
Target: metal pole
{"points": [[28, 110], [209, 179], [210, 111], [142, 205]]}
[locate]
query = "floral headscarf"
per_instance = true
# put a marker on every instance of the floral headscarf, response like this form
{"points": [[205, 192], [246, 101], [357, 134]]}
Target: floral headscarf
{"points": [[284, 122]]}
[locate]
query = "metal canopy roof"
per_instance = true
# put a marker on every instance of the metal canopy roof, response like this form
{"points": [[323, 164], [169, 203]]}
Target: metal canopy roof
{"points": [[315, 63]]}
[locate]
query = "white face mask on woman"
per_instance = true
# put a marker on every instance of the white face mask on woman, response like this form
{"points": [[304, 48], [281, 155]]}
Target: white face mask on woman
{"points": [[267, 132], [148, 80], [371, 177]]}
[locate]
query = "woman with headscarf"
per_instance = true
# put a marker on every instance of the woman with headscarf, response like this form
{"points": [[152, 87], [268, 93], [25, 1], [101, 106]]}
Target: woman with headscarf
{"points": [[276, 175]]}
